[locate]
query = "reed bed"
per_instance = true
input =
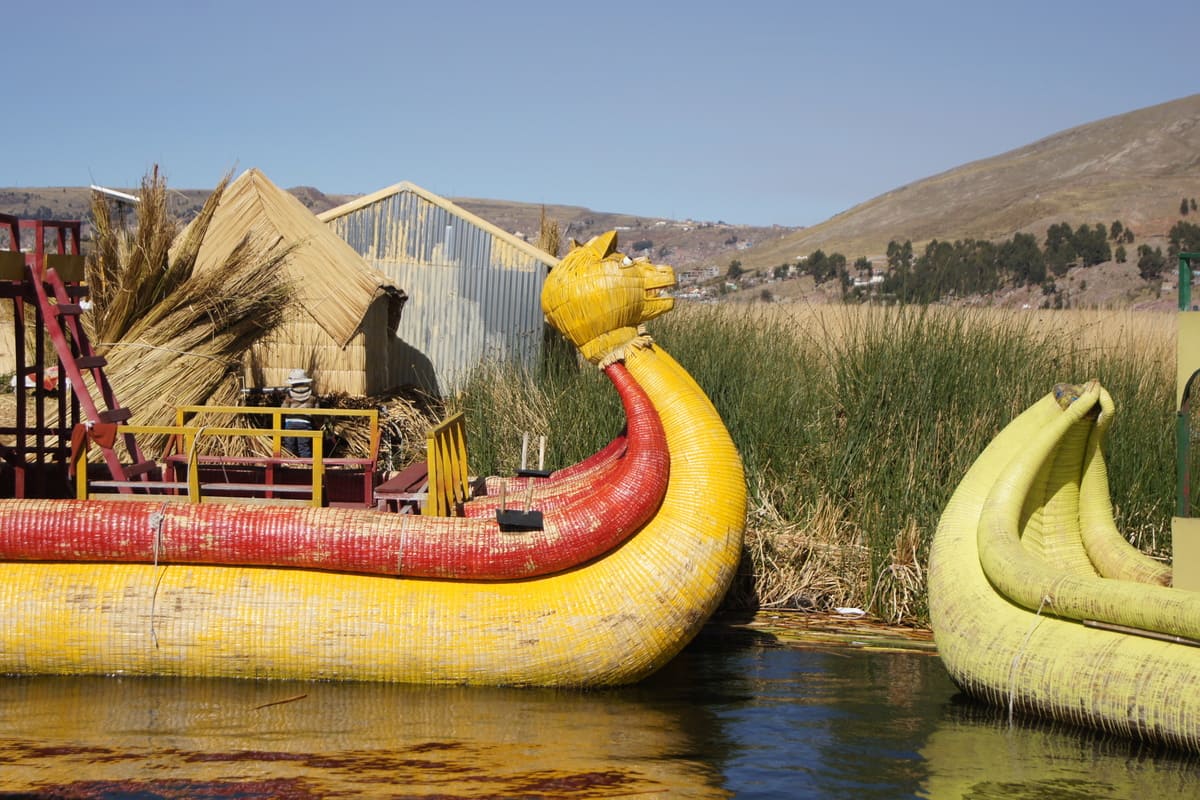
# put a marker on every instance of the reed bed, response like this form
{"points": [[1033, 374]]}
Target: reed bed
{"points": [[856, 424], [572, 406]]}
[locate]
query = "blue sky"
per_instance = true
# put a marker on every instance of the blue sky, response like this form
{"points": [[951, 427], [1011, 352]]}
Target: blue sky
{"points": [[754, 112]]}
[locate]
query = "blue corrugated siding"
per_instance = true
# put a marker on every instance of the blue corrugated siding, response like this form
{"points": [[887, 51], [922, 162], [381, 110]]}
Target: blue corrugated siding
{"points": [[472, 295]]}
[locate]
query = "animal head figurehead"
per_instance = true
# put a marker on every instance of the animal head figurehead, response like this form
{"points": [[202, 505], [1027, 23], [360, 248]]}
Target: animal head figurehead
{"points": [[598, 297]]}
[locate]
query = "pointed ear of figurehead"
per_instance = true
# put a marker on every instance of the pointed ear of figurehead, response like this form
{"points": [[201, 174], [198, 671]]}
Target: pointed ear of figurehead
{"points": [[605, 244]]}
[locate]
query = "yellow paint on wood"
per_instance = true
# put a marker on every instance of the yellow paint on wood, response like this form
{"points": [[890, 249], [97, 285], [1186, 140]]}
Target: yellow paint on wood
{"points": [[12, 265], [1185, 553], [68, 267], [1188, 348]]}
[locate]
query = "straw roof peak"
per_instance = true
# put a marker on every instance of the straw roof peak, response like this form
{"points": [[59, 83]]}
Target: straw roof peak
{"points": [[331, 281]]}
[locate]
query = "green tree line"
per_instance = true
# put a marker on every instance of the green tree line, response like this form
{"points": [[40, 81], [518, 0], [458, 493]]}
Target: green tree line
{"points": [[974, 266]]}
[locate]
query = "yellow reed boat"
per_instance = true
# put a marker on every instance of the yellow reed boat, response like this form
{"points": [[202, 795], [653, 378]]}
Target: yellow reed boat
{"points": [[1038, 603], [614, 619]]}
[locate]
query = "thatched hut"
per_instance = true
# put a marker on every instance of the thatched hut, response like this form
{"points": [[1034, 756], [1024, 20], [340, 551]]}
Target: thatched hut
{"points": [[346, 312], [475, 289]]}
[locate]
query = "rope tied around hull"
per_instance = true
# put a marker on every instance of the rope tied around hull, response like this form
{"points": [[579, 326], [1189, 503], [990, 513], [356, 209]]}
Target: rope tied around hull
{"points": [[403, 542], [1047, 600], [606, 350], [156, 521]]}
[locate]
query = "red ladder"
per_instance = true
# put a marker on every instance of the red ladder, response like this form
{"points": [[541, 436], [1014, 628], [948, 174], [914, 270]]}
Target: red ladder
{"points": [[77, 357]]}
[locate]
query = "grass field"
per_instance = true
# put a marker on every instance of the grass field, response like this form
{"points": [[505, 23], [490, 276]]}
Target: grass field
{"points": [[856, 424]]}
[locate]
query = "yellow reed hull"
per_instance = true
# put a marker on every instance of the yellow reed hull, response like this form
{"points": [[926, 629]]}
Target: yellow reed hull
{"points": [[613, 621], [1009, 596]]}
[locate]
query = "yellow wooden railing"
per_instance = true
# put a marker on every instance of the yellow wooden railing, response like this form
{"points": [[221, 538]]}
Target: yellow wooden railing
{"points": [[184, 414], [449, 481], [182, 449]]}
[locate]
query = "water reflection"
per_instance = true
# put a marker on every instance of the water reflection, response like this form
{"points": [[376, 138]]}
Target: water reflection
{"points": [[833, 723], [186, 738], [735, 714], [815, 722], [976, 753]]}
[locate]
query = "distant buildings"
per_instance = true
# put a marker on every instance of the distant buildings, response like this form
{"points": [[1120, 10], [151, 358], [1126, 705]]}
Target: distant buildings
{"points": [[700, 275]]}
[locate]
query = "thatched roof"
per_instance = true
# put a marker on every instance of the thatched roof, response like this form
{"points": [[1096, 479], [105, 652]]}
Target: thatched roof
{"points": [[330, 280]]}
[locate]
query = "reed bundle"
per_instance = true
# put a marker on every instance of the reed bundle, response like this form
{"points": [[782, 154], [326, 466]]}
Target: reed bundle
{"points": [[173, 337], [189, 349], [549, 234], [129, 271], [403, 423]]}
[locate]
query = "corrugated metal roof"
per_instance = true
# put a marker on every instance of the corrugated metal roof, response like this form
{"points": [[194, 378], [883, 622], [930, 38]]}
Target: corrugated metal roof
{"points": [[474, 289], [454, 210], [333, 282]]}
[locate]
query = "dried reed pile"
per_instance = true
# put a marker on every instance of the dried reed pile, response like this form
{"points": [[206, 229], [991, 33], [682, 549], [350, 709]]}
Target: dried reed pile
{"points": [[814, 565], [128, 271], [403, 421], [173, 337]]}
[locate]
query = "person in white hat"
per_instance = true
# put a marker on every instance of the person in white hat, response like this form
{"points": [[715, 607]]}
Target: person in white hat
{"points": [[299, 395]]}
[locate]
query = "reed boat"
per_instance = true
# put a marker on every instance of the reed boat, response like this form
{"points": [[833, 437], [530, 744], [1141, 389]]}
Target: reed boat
{"points": [[1038, 603], [632, 552]]}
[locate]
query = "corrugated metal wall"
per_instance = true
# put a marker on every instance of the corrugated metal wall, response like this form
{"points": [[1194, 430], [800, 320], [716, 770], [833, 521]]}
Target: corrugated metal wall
{"points": [[472, 295]]}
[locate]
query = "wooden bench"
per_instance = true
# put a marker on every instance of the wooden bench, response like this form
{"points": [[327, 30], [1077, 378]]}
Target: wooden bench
{"points": [[272, 463], [140, 490], [259, 491], [437, 486], [406, 491], [177, 491], [171, 486], [189, 487], [190, 474]]}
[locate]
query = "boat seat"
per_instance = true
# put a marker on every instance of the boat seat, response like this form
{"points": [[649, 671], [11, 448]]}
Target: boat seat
{"points": [[406, 491]]}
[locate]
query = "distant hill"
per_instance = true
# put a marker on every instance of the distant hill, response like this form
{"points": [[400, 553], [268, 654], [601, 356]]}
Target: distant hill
{"points": [[684, 245], [74, 202], [1135, 167]]}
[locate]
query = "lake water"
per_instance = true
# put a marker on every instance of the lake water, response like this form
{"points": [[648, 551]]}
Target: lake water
{"points": [[737, 714]]}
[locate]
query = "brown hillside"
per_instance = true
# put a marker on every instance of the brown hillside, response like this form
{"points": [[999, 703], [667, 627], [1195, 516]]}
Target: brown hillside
{"points": [[1134, 167], [75, 202], [683, 244]]}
